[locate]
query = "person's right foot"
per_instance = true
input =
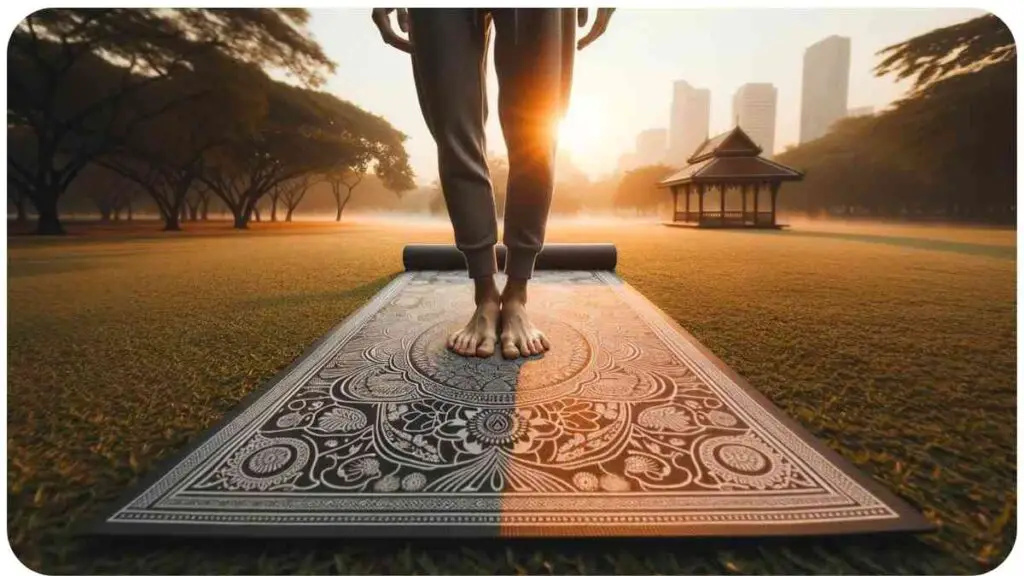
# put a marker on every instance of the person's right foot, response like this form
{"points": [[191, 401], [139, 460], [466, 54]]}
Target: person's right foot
{"points": [[479, 335]]}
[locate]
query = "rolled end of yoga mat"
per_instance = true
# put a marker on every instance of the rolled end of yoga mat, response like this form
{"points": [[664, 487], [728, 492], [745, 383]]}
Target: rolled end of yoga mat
{"points": [[552, 257]]}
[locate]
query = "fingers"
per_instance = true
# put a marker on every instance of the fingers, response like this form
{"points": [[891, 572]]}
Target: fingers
{"points": [[599, 27], [403, 19], [381, 17], [581, 17]]}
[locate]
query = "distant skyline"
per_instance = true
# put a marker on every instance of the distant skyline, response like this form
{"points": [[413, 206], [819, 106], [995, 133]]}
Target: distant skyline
{"points": [[825, 88], [755, 109], [624, 81], [689, 120]]}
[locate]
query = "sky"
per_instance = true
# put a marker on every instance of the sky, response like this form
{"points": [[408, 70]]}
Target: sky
{"points": [[623, 82]]}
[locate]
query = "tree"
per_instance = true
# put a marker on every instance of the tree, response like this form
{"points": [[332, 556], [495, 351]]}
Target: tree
{"points": [[293, 192], [639, 190], [75, 77], [347, 178], [942, 52], [947, 148]]}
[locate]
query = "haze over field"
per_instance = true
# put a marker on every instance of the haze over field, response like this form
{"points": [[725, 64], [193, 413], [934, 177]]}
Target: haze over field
{"points": [[623, 82]]}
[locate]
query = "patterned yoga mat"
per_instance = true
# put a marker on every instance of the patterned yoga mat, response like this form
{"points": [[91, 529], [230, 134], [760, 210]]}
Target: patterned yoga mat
{"points": [[628, 427]]}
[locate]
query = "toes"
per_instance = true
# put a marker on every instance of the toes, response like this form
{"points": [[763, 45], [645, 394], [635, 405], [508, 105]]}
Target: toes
{"points": [[486, 348], [451, 340], [509, 350], [535, 346], [471, 343], [544, 342], [524, 348]]}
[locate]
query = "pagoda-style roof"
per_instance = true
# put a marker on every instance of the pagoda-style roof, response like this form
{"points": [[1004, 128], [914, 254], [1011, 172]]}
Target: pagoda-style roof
{"points": [[730, 156]]}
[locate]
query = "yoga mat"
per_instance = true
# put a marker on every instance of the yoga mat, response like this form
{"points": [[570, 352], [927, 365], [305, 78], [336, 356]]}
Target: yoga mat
{"points": [[627, 427], [551, 257]]}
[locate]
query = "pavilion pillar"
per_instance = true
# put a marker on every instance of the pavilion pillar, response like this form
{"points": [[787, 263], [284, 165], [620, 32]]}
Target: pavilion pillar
{"points": [[757, 192], [687, 189], [700, 204], [675, 202], [721, 203], [743, 196], [775, 194]]}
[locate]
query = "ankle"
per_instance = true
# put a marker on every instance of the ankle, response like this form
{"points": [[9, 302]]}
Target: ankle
{"points": [[515, 292], [486, 290]]}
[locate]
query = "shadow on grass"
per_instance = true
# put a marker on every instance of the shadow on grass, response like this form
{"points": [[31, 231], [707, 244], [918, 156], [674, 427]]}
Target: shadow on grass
{"points": [[862, 554], [994, 251]]}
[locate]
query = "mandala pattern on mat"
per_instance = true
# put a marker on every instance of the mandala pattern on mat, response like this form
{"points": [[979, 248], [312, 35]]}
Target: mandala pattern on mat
{"points": [[615, 408]]}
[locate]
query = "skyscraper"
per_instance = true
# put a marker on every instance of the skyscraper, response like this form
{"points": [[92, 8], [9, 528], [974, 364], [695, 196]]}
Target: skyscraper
{"points": [[753, 108], [689, 121], [826, 86], [651, 146]]}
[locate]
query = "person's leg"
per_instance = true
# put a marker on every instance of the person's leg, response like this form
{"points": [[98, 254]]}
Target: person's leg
{"points": [[532, 66], [449, 47]]}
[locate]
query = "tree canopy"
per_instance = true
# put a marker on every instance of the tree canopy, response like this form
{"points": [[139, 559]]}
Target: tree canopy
{"points": [[947, 149]]}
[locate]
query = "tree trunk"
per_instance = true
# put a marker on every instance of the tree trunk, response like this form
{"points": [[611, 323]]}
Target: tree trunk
{"points": [[341, 203], [49, 220], [19, 204], [206, 208], [117, 213], [171, 222], [288, 216], [242, 215], [256, 212], [273, 210], [129, 209]]}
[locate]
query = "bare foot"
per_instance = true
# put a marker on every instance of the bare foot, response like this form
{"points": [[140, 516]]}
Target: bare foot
{"points": [[519, 337], [478, 336]]}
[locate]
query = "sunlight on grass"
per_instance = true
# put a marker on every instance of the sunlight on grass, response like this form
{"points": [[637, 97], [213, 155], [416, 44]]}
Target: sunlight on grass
{"points": [[123, 347]]}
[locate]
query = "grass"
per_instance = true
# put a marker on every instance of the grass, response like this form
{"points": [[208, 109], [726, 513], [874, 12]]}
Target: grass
{"points": [[124, 345]]}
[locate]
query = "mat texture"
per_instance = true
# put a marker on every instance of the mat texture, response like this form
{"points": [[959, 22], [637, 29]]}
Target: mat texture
{"points": [[628, 427]]}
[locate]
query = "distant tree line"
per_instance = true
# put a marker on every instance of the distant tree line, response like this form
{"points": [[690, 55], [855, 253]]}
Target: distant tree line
{"points": [[178, 103], [946, 150]]}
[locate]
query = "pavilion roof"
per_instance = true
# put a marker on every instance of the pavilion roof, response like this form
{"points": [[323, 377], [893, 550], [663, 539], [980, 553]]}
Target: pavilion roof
{"points": [[734, 168], [730, 156]]}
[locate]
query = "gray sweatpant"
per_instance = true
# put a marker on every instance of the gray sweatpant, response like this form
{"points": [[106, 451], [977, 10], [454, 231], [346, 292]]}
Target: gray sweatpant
{"points": [[533, 56]]}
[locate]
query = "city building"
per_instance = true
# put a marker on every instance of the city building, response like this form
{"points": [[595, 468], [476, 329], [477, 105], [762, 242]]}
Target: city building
{"points": [[826, 86], [651, 146], [689, 121], [753, 109]]}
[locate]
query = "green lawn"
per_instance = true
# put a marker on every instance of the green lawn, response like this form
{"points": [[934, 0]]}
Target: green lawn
{"points": [[896, 346]]}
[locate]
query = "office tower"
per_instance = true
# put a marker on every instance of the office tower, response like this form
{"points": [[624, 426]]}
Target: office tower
{"points": [[753, 109], [651, 146], [826, 86], [688, 122], [860, 111]]}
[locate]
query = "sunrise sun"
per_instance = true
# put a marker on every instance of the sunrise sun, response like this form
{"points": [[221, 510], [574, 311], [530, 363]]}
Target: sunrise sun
{"points": [[579, 133]]}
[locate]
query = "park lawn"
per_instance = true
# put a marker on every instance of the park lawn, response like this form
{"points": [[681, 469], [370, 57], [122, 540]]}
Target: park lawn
{"points": [[122, 347]]}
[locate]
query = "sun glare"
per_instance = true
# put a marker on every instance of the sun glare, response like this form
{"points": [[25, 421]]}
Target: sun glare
{"points": [[579, 133]]}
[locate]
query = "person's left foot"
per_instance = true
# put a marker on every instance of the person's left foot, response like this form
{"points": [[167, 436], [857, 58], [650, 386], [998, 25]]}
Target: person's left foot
{"points": [[519, 337]]}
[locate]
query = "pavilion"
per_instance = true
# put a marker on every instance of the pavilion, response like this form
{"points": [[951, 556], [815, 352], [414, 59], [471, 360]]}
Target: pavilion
{"points": [[729, 161]]}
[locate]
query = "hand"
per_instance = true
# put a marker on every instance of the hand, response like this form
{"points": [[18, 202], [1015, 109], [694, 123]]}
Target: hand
{"points": [[600, 25], [382, 18]]}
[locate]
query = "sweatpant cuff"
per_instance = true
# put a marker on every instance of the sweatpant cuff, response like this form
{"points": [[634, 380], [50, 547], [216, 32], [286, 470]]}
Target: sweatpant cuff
{"points": [[481, 263], [519, 263]]}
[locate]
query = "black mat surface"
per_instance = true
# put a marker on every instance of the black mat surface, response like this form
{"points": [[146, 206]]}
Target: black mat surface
{"points": [[627, 427]]}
